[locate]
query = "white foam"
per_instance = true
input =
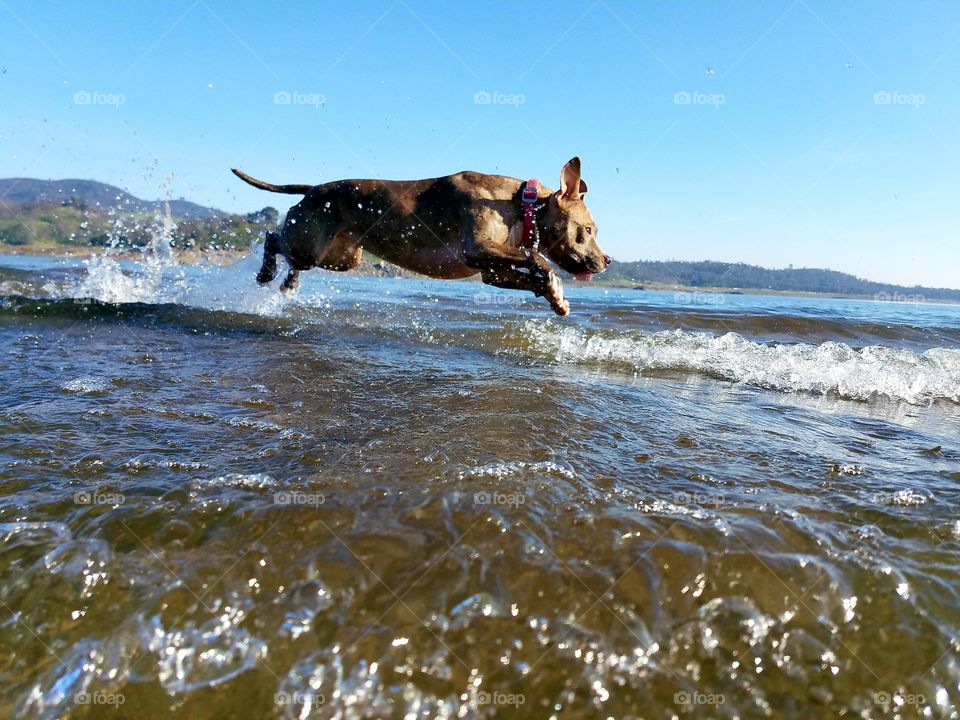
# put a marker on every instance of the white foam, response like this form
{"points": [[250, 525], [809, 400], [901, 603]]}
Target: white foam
{"points": [[87, 385], [255, 481], [917, 378], [502, 470]]}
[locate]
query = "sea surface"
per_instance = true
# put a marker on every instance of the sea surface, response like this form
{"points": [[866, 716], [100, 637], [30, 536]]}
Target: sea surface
{"points": [[386, 498]]}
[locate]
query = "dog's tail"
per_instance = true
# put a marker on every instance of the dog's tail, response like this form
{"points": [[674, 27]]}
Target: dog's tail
{"points": [[288, 189]]}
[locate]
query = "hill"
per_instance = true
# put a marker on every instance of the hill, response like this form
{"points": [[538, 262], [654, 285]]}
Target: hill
{"points": [[96, 195], [708, 274], [86, 213]]}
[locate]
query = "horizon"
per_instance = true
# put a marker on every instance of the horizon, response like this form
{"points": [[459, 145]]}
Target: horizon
{"points": [[618, 260], [827, 128]]}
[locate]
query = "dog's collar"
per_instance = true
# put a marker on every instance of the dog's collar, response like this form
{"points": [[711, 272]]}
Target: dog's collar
{"points": [[530, 237]]}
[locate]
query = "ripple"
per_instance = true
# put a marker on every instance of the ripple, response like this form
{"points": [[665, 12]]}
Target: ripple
{"points": [[195, 657]]}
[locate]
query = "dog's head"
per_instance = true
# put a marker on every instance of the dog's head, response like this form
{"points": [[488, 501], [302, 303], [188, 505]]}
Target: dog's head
{"points": [[569, 233]]}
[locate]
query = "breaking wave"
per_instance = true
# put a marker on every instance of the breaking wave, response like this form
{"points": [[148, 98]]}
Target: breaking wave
{"points": [[919, 378]]}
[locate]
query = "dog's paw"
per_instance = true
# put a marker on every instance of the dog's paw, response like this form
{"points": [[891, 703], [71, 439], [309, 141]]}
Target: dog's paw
{"points": [[555, 296], [290, 283], [561, 307]]}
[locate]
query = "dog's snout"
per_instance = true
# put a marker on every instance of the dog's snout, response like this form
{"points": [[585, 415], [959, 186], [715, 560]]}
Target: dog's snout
{"points": [[597, 263]]}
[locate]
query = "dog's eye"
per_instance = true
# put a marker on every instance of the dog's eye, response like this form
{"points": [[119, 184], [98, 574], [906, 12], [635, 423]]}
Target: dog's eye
{"points": [[589, 231]]}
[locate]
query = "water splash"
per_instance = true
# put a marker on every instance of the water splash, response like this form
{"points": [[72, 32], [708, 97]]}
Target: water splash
{"points": [[157, 265], [157, 275]]}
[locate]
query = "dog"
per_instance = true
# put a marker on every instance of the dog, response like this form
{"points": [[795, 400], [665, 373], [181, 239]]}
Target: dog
{"points": [[449, 227]]}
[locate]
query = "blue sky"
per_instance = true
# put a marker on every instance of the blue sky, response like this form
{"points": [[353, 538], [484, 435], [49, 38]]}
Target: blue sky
{"points": [[821, 134]]}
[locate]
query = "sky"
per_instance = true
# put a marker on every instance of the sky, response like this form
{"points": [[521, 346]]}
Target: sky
{"points": [[787, 132]]}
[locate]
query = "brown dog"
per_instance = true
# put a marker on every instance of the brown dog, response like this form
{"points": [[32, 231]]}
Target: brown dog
{"points": [[448, 227]]}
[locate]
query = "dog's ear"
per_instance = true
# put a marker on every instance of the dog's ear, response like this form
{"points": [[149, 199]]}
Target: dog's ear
{"points": [[571, 185]]}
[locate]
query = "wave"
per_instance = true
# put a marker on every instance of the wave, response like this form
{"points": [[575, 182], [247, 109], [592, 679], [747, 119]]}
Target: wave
{"points": [[778, 326], [829, 368], [784, 353], [919, 378], [161, 315]]}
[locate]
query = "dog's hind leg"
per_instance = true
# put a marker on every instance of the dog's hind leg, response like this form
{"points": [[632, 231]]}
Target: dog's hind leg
{"points": [[291, 281], [268, 270], [342, 253]]}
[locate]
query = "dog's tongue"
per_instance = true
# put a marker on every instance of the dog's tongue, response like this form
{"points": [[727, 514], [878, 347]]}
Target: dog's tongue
{"points": [[584, 276]]}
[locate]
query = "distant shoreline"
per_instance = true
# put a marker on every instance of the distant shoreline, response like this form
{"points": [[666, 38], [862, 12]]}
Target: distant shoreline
{"points": [[379, 268]]}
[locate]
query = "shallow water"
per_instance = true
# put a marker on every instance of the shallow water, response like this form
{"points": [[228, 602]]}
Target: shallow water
{"points": [[391, 498]]}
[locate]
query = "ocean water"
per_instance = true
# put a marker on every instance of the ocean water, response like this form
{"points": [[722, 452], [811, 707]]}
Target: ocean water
{"points": [[385, 498]]}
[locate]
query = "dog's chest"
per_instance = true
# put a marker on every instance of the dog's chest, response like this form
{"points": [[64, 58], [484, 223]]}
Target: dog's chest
{"points": [[515, 234]]}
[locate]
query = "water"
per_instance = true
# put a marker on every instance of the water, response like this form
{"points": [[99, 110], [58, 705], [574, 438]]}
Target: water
{"points": [[393, 498]]}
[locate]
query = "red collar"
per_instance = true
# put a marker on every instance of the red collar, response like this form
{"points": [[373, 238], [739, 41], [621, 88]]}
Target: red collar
{"points": [[528, 202]]}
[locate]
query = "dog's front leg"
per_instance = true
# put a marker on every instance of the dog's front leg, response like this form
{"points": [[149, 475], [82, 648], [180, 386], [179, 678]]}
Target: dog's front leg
{"points": [[517, 269], [541, 283], [504, 265]]}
